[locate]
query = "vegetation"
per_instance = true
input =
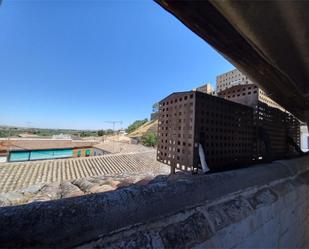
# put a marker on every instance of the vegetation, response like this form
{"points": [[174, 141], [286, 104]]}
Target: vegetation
{"points": [[155, 107], [88, 134], [9, 131], [136, 124], [105, 132], [150, 139], [101, 133]]}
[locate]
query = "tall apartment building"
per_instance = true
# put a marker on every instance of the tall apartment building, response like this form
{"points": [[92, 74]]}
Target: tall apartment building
{"points": [[248, 94], [237, 87], [231, 78]]}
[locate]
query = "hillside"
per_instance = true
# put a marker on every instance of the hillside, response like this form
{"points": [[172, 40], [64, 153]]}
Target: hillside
{"points": [[150, 126]]}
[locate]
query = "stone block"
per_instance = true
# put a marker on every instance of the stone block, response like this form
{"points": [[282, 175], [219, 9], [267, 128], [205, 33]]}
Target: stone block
{"points": [[4, 201], [234, 234], [218, 218], [228, 212], [264, 237], [70, 190], [84, 184], [283, 188], [97, 179], [289, 218], [287, 194], [236, 209], [48, 192], [292, 238], [262, 198], [138, 240], [15, 198], [185, 234], [32, 190]]}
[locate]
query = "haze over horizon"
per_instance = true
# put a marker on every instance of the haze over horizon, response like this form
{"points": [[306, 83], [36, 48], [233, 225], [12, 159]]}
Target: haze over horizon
{"points": [[75, 65]]}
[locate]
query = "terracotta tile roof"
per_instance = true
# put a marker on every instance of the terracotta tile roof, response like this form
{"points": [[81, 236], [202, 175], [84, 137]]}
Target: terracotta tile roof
{"points": [[14, 176]]}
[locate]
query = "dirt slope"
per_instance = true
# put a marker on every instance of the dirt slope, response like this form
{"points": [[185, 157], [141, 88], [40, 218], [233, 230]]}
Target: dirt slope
{"points": [[150, 126]]}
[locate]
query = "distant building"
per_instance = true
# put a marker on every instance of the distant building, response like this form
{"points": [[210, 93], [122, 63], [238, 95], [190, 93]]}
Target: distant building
{"points": [[122, 132], [248, 94], [237, 87], [231, 78], [207, 88]]}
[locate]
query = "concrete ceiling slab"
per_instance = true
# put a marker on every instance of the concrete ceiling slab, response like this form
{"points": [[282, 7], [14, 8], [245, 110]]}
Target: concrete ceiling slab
{"points": [[267, 40]]}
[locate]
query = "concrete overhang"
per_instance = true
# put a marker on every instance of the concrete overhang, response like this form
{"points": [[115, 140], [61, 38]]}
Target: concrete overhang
{"points": [[267, 40]]}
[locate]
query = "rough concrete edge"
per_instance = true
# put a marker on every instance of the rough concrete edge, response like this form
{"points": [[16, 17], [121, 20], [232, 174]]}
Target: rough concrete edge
{"points": [[222, 210], [88, 217]]}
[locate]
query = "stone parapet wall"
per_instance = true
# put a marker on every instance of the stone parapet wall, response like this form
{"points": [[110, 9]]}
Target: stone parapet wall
{"points": [[261, 206]]}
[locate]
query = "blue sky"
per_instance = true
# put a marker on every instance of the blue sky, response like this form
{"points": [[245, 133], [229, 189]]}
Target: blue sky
{"points": [[77, 64]]}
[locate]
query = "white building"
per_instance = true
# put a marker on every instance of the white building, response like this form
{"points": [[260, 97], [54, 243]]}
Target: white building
{"points": [[231, 78]]}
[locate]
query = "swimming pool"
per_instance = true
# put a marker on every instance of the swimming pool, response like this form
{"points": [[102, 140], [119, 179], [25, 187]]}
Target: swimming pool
{"points": [[16, 156]]}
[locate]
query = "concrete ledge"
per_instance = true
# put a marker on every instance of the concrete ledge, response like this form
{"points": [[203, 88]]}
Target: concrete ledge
{"points": [[76, 221]]}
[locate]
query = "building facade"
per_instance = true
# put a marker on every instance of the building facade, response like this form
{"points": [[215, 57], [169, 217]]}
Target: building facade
{"points": [[231, 78], [248, 94], [237, 87], [207, 88], [18, 149]]}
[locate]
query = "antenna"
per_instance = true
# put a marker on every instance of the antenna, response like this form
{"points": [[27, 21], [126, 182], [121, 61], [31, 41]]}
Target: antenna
{"points": [[114, 122]]}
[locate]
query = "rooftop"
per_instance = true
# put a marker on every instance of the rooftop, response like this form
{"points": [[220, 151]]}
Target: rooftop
{"points": [[15, 176], [39, 144]]}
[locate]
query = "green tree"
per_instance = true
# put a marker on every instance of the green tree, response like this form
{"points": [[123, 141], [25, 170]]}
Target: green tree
{"points": [[101, 133], [150, 139], [109, 131], [136, 124], [155, 107]]}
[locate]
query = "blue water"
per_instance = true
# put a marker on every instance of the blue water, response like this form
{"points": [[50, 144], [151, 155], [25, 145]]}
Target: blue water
{"points": [[39, 155]]}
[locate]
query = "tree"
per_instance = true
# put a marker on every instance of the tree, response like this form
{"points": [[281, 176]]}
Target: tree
{"points": [[109, 131], [101, 133], [136, 124], [150, 139], [155, 107]]}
